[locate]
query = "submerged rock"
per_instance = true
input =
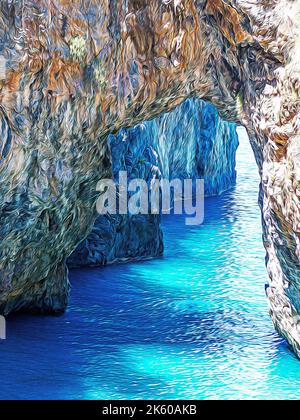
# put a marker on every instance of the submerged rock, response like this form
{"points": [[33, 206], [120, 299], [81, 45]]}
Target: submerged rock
{"points": [[71, 73], [190, 142]]}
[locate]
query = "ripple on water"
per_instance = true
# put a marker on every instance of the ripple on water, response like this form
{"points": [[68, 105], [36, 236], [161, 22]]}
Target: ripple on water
{"points": [[193, 324]]}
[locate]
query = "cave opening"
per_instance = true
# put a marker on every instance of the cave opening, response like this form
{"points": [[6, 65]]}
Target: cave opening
{"points": [[196, 315]]}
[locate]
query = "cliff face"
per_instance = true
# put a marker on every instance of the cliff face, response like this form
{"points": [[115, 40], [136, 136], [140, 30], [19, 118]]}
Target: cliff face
{"points": [[190, 142], [194, 142], [119, 238], [74, 72]]}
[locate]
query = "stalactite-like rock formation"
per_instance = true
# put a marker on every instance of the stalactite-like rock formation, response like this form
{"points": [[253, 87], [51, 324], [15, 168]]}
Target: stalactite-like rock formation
{"points": [[73, 72], [190, 142]]}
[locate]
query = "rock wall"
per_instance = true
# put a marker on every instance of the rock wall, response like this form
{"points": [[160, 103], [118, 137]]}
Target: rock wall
{"points": [[194, 142], [74, 72], [190, 142], [119, 238]]}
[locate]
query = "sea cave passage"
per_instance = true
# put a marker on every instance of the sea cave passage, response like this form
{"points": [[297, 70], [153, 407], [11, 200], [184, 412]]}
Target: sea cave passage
{"points": [[192, 324]]}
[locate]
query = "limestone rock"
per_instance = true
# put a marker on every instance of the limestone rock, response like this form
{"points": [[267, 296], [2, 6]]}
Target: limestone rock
{"points": [[74, 72]]}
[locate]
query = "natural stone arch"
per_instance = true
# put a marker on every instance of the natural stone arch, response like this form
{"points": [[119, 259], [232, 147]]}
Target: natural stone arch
{"points": [[76, 71], [2, 328]]}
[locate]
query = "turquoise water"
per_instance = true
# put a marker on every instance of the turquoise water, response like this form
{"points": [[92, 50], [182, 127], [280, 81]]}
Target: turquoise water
{"points": [[193, 324]]}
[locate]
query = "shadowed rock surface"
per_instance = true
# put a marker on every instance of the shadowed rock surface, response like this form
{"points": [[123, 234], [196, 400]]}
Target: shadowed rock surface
{"points": [[190, 142], [78, 71]]}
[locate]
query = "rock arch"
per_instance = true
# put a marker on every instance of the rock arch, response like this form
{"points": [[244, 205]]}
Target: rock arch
{"points": [[73, 72]]}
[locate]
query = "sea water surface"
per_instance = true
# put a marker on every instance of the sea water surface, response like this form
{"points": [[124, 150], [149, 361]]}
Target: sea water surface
{"points": [[193, 324]]}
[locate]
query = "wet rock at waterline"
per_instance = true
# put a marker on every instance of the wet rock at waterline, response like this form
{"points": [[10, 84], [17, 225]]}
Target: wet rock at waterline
{"points": [[190, 142], [118, 237], [101, 66]]}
